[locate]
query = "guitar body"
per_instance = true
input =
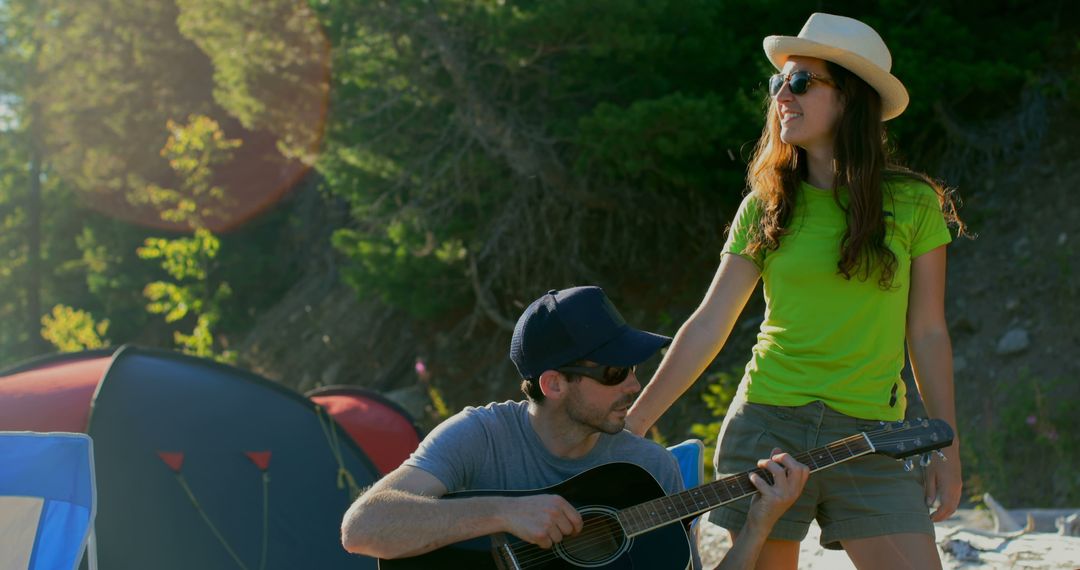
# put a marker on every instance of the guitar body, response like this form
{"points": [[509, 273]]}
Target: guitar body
{"points": [[597, 494]]}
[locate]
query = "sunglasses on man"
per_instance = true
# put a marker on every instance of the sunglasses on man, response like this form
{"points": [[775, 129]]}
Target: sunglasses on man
{"points": [[798, 82], [606, 375]]}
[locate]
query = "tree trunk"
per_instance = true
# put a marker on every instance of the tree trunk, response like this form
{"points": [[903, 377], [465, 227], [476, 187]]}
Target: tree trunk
{"points": [[33, 254]]}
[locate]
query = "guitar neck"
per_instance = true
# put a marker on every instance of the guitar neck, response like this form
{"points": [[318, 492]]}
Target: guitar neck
{"points": [[647, 516]]}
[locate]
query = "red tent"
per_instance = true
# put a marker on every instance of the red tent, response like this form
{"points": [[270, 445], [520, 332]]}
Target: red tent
{"points": [[383, 429]]}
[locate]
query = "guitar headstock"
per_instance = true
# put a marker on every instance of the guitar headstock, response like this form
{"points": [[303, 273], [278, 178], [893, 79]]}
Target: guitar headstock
{"points": [[910, 437]]}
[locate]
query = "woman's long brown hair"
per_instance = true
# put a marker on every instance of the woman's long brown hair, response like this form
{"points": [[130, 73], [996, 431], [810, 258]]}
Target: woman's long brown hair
{"points": [[863, 162]]}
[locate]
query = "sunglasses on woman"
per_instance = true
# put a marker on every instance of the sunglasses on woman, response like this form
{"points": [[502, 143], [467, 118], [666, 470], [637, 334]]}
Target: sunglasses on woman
{"points": [[606, 375], [798, 81]]}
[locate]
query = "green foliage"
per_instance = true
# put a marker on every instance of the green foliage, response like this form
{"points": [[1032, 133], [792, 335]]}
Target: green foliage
{"points": [[406, 268], [72, 330], [1032, 430], [103, 273], [117, 71], [183, 258], [491, 123], [269, 64], [189, 262], [439, 410], [663, 145], [192, 150]]}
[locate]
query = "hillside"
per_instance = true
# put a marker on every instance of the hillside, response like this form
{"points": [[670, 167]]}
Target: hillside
{"points": [[1011, 305]]}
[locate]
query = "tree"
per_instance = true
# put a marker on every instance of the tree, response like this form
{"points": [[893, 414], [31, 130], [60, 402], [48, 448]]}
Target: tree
{"points": [[72, 330], [193, 151], [271, 66], [22, 23], [115, 71]]}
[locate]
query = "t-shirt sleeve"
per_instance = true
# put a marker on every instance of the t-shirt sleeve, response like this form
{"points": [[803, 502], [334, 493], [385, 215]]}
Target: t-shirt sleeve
{"points": [[930, 230], [450, 451], [746, 220]]}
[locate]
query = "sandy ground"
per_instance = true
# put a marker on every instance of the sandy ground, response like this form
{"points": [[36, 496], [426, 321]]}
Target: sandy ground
{"points": [[964, 541]]}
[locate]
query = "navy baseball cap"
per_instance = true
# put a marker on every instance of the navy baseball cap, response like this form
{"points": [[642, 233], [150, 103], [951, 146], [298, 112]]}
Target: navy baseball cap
{"points": [[577, 324]]}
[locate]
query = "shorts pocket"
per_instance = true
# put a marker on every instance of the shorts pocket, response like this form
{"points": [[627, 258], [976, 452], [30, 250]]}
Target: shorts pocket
{"points": [[743, 439]]}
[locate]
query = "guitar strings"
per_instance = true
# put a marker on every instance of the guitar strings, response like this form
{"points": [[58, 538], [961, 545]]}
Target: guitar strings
{"points": [[589, 537], [611, 529]]}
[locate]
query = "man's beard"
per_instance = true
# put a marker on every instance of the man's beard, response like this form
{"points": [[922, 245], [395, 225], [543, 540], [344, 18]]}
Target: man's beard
{"points": [[597, 418]]}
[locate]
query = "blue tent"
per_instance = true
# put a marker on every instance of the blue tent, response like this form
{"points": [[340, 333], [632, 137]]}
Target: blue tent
{"points": [[47, 500]]}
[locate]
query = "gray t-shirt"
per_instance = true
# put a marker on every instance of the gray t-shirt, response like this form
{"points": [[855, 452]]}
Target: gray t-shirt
{"points": [[496, 448]]}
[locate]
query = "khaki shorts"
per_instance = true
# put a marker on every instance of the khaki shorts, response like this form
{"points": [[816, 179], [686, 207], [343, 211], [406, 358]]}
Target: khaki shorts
{"points": [[867, 496]]}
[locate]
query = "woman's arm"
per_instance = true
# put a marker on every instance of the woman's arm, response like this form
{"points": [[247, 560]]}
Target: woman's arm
{"points": [[930, 351], [697, 342]]}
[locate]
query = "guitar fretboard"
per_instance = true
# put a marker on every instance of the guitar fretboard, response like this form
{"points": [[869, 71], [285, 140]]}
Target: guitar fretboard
{"points": [[659, 512]]}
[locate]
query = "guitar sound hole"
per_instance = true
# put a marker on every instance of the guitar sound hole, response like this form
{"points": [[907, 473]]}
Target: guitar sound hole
{"points": [[601, 539]]}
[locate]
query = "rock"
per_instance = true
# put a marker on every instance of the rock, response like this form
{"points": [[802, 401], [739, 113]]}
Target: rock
{"points": [[1070, 525], [961, 550], [1022, 247], [1014, 341], [1011, 304], [1003, 521], [1062, 237]]}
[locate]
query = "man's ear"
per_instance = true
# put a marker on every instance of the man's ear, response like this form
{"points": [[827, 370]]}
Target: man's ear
{"points": [[553, 384]]}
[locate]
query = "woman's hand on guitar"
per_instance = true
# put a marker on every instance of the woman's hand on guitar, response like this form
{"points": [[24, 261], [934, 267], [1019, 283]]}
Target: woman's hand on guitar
{"points": [[541, 519], [789, 478]]}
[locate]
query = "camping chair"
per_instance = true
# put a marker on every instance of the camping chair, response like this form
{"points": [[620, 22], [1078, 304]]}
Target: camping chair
{"points": [[690, 455], [47, 500]]}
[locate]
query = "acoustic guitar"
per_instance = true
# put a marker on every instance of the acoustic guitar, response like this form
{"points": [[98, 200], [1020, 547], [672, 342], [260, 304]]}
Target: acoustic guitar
{"points": [[631, 523]]}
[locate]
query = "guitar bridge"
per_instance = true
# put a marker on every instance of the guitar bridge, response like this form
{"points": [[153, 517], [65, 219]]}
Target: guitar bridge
{"points": [[503, 554]]}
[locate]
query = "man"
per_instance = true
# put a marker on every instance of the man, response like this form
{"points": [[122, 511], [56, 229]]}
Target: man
{"points": [[576, 356]]}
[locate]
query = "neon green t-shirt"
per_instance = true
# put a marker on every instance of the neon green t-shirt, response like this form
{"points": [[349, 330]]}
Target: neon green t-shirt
{"points": [[825, 337]]}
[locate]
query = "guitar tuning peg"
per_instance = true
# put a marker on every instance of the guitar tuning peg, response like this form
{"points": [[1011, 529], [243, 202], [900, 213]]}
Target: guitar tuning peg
{"points": [[908, 464], [941, 455], [924, 460]]}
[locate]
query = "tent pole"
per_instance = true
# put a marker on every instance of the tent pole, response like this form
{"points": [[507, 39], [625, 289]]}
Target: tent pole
{"points": [[91, 550]]}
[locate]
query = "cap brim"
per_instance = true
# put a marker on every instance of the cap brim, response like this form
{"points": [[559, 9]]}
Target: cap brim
{"points": [[631, 347], [894, 96]]}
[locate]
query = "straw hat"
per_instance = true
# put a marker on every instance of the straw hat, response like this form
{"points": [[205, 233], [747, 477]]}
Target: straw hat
{"points": [[850, 44]]}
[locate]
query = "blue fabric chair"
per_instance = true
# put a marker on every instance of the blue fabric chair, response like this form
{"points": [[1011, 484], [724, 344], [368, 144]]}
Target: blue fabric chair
{"points": [[691, 457], [47, 500]]}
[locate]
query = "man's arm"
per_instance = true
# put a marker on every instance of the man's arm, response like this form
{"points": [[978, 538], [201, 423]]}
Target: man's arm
{"points": [[789, 478], [403, 515]]}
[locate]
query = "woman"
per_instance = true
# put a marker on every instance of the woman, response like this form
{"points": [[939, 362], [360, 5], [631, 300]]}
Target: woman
{"points": [[851, 250]]}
